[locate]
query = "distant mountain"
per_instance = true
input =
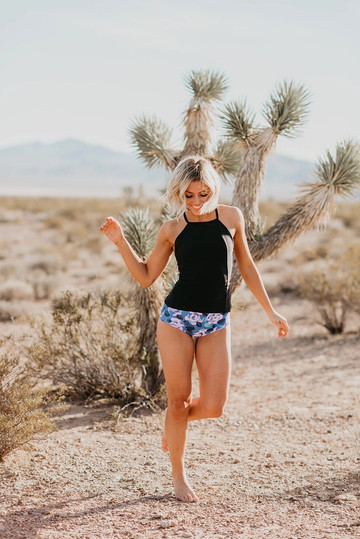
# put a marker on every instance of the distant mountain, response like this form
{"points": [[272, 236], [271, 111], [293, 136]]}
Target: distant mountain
{"points": [[74, 168]]}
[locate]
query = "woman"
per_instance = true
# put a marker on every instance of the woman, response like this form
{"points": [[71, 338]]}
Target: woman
{"points": [[195, 318]]}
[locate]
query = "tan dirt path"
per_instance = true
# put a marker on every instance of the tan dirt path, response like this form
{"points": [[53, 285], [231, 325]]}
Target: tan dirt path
{"points": [[283, 461]]}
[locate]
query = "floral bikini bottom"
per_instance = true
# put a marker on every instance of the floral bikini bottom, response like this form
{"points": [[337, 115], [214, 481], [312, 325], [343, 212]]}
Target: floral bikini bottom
{"points": [[192, 323]]}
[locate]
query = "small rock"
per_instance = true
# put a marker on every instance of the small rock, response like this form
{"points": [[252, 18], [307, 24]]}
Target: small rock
{"points": [[185, 534], [346, 497], [167, 523]]}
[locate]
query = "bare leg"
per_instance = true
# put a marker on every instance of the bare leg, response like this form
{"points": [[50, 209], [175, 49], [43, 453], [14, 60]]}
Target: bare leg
{"points": [[177, 354], [213, 359]]}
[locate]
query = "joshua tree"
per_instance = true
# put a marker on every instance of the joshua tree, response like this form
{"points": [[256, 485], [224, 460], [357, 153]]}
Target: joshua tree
{"points": [[140, 230], [240, 155]]}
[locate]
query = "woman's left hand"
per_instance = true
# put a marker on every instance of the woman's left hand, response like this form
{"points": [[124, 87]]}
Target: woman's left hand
{"points": [[280, 322]]}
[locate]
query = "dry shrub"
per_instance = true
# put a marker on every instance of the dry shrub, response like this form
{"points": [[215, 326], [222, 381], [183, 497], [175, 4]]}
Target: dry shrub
{"points": [[15, 290], [7, 270], [349, 213], [320, 251], [46, 263], [334, 291], [93, 243], [54, 222], [4, 249], [238, 300], [90, 347], [270, 211], [25, 412], [43, 285], [10, 311], [76, 231]]}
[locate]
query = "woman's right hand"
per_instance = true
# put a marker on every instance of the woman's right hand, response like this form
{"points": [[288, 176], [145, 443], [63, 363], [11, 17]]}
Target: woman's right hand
{"points": [[112, 228]]}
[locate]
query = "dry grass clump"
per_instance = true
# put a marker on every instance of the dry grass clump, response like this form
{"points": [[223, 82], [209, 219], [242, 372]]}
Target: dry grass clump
{"points": [[14, 289], [93, 243], [77, 206], [47, 263], [43, 286], [90, 348], [270, 211], [238, 300], [25, 411], [54, 222], [4, 249], [335, 291], [319, 251], [7, 270], [9, 311], [349, 213]]}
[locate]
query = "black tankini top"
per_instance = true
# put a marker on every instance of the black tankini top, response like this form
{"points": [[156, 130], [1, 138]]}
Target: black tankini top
{"points": [[204, 254]]}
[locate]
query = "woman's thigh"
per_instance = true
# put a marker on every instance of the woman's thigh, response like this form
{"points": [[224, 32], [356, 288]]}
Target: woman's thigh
{"points": [[177, 355], [213, 360]]}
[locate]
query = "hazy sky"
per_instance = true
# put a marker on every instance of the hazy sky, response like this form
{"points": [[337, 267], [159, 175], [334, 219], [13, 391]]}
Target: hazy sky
{"points": [[85, 68]]}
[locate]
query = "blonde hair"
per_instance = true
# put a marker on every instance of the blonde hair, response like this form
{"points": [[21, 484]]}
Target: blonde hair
{"points": [[189, 169]]}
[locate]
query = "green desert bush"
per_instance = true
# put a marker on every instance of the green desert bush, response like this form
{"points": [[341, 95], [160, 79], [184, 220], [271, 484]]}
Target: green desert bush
{"points": [[25, 411], [335, 291], [90, 349]]}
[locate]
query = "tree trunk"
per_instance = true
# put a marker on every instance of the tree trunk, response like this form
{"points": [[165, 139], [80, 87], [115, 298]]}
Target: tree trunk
{"points": [[148, 302], [307, 212], [250, 178], [197, 134]]}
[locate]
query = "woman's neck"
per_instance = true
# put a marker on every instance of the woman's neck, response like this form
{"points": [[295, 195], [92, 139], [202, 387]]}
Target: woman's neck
{"points": [[200, 218]]}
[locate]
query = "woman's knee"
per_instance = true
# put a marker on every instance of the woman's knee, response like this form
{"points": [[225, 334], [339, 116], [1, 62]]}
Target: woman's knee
{"points": [[178, 406], [214, 409]]}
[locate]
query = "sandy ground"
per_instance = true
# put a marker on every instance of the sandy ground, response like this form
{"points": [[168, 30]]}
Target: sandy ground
{"points": [[282, 462]]}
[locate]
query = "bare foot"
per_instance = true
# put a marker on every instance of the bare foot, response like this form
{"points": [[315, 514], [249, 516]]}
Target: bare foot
{"points": [[164, 444], [183, 491]]}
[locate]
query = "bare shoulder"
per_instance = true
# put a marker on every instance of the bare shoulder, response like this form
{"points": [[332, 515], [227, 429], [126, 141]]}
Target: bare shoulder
{"points": [[170, 230], [232, 215]]}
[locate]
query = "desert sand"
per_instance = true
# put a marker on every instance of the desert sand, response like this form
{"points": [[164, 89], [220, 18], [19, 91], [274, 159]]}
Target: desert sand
{"points": [[282, 462]]}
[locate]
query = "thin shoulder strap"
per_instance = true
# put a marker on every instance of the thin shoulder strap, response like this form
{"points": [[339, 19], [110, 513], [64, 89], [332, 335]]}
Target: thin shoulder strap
{"points": [[217, 215], [186, 219]]}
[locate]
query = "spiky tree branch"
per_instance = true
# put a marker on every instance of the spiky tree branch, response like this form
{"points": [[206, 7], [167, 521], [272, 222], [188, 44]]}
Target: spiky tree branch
{"points": [[285, 111], [238, 121], [226, 159], [339, 175], [206, 88], [140, 231], [151, 138]]}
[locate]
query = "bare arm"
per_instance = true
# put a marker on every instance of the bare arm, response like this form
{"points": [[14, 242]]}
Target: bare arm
{"points": [[145, 272], [252, 276]]}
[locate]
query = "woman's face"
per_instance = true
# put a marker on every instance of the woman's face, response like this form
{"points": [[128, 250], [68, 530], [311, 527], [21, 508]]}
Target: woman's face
{"points": [[196, 195]]}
